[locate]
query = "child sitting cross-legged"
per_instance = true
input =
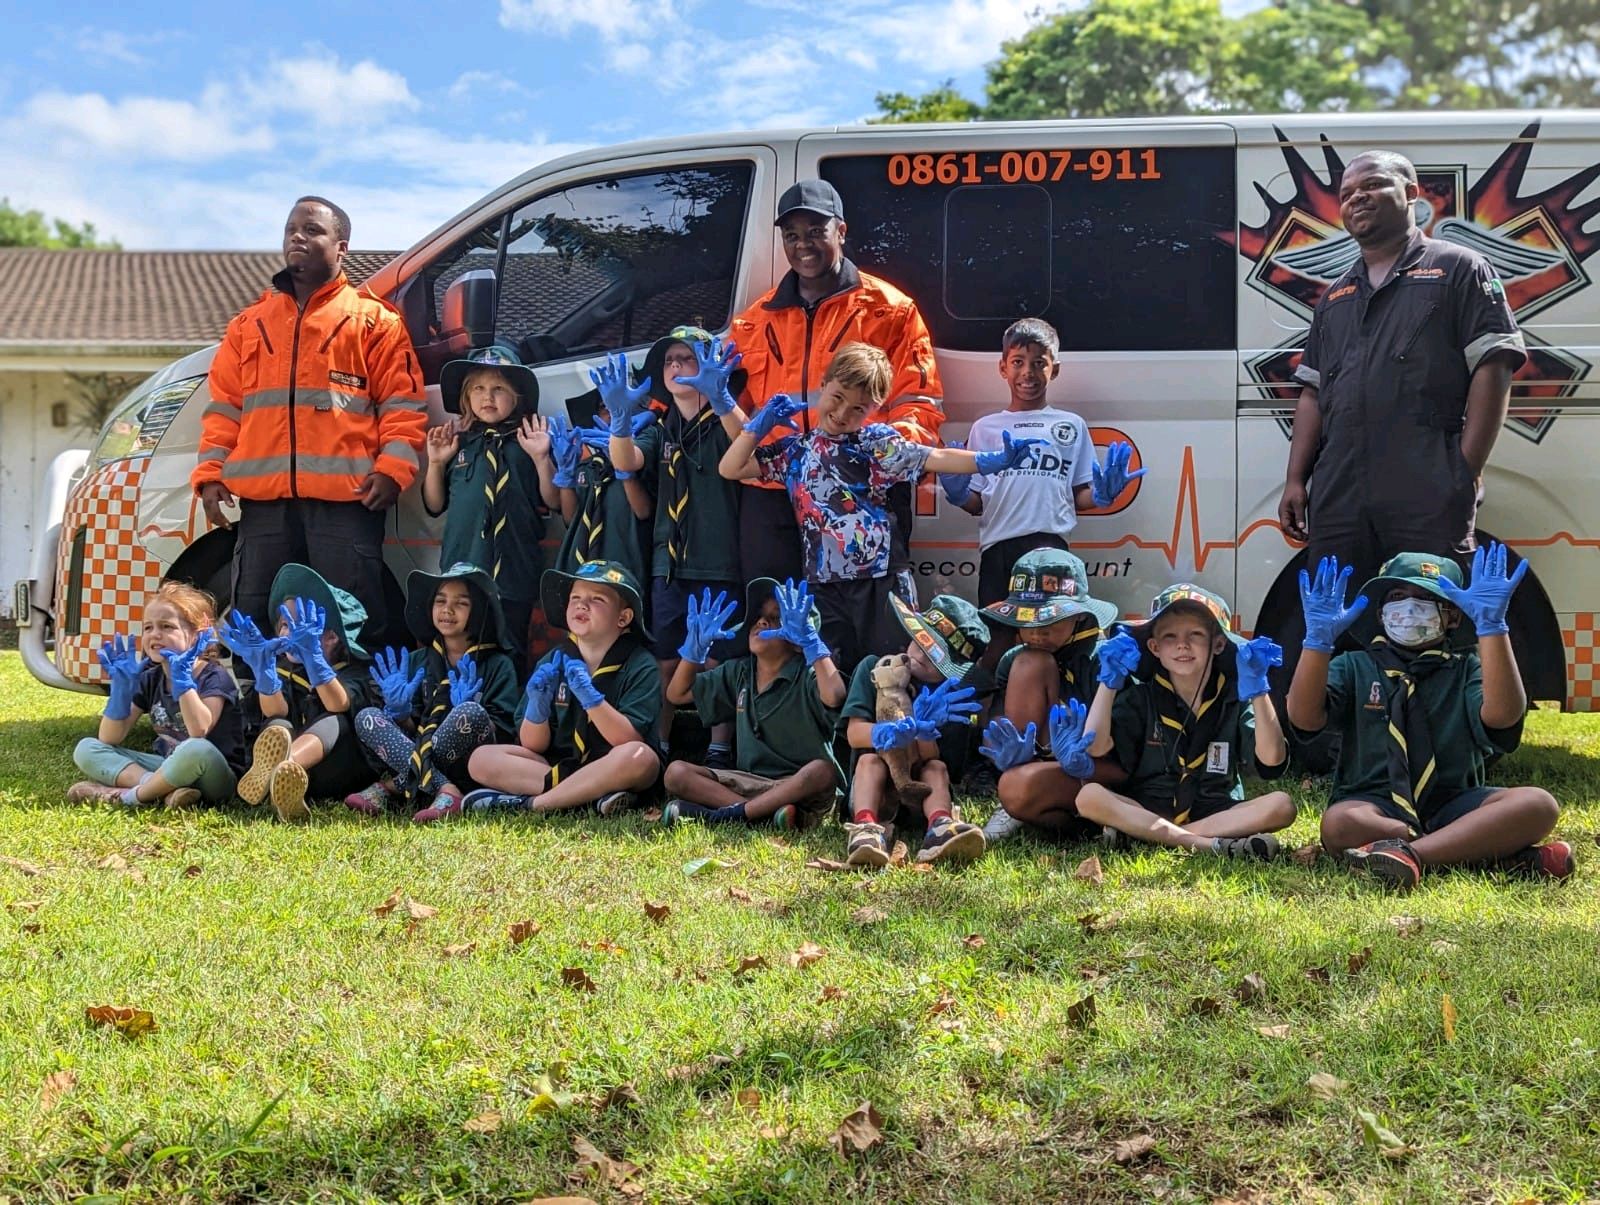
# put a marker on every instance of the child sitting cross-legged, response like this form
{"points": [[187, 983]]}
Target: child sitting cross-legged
{"points": [[783, 699], [1183, 732], [1419, 721], [588, 732]]}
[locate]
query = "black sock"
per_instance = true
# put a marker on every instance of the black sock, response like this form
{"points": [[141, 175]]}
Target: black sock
{"points": [[732, 814]]}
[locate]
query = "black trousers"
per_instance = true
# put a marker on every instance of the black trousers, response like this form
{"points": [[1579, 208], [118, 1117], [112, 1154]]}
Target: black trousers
{"points": [[769, 537], [343, 541]]}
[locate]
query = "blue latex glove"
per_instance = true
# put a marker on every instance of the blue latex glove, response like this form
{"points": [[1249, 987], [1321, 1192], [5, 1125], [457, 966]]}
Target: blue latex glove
{"points": [[240, 634], [567, 448], [306, 623], [957, 486], [1005, 746], [716, 363], [945, 703], [181, 663], [541, 691], [1487, 597], [598, 438], [1117, 658], [119, 657], [1110, 481], [1322, 601], [1012, 453], [389, 673], [1068, 741], [706, 624], [894, 734], [1254, 659], [620, 401], [795, 622], [581, 683], [465, 683], [780, 408]]}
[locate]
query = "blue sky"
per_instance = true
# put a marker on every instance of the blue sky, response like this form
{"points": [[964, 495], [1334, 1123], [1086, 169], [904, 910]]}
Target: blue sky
{"points": [[173, 126]]}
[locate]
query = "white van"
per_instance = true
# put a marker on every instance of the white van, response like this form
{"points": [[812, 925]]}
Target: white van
{"points": [[1179, 259]]}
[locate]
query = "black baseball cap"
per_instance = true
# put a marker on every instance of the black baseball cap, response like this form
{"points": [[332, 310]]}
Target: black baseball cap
{"points": [[814, 196]]}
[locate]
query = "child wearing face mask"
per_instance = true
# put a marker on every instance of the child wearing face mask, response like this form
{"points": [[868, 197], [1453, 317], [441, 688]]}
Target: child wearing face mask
{"points": [[1419, 721]]}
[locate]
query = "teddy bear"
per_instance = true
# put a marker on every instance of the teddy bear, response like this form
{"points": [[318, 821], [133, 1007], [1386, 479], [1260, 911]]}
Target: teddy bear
{"points": [[892, 678]]}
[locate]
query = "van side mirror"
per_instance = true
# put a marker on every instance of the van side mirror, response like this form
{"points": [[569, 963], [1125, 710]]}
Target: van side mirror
{"points": [[467, 317]]}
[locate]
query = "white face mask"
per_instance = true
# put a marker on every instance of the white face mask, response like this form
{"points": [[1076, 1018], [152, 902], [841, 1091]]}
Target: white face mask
{"points": [[1412, 622]]}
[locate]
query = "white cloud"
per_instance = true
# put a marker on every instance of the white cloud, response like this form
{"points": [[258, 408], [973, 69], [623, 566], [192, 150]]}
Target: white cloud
{"points": [[141, 127], [112, 46], [629, 57], [476, 83], [612, 19], [942, 37], [319, 87]]}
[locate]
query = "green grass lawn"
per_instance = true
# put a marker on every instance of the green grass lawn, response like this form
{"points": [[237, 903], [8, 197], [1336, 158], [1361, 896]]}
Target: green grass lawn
{"points": [[403, 1069]]}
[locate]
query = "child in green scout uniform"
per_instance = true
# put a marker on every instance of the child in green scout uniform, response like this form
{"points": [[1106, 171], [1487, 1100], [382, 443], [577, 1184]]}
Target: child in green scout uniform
{"points": [[1183, 732], [590, 709], [782, 699], [441, 701], [1059, 626], [1420, 721], [694, 378], [488, 474], [311, 680], [608, 508], [940, 733]]}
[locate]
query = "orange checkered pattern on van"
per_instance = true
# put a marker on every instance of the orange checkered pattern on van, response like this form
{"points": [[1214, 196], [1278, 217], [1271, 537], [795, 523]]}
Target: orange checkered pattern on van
{"points": [[118, 574], [1578, 633]]}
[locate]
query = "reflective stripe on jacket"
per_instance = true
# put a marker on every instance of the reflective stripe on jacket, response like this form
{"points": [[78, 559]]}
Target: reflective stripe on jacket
{"points": [[307, 403]]}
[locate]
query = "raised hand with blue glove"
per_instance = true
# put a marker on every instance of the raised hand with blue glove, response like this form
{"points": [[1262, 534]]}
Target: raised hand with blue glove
{"points": [[567, 448], [707, 623], [620, 401], [717, 361], [1322, 601], [1117, 658], [894, 734], [181, 662], [1255, 658], [957, 486], [541, 690], [946, 703], [389, 674], [1009, 455], [1487, 598], [1110, 481], [307, 622], [780, 408], [119, 657], [244, 639], [581, 683], [797, 621], [465, 682], [1068, 741], [1006, 747]]}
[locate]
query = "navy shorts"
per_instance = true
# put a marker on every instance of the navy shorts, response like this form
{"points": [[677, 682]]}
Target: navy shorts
{"points": [[1468, 801], [669, 614]]}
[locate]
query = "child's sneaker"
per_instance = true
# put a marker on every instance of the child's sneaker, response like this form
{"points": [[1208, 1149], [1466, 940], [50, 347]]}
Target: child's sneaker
{"points": [[1552, 860], [614, 804], [791, 817], [271, 750], [1391, 861], [678, 810], [93, 792], [869, 844], [373, 801], [1001, 826], [952, 841], [1263, 847], [487, 799], [1114, 840], [982, 780], [184, 798], [288, 793], [446, 804]]}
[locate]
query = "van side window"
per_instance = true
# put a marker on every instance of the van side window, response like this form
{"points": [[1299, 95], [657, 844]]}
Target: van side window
{"points": [[1141, 264]]}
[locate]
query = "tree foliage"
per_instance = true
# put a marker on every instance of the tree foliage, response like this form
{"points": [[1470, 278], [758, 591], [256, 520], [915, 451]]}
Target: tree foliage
{"points": [[30, 228], [1168, 57]]}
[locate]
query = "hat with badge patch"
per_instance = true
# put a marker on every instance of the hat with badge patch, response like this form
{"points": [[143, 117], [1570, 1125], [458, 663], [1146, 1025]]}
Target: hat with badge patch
{"points": [[555, 588], [1193, 595], [1424, 570], [951, 632], [1048, 585], [497, 356], [654, 368]]}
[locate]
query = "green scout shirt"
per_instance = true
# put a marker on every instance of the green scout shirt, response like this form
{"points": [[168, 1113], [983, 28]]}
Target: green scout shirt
{"points": [[502, 690], [636, 694], [466, 505], [709, 521], [1148, 750], [1358, 707], [305, 704], [1075, 664], [626, 539], [777, 730], [958, 741]]}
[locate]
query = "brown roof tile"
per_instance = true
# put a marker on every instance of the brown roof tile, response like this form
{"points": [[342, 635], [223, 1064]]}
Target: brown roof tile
{"points": [[162, 297]]}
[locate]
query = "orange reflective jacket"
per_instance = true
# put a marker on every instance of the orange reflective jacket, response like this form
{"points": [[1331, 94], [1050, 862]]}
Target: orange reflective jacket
{"points": [[306, 403], [787, 345]]}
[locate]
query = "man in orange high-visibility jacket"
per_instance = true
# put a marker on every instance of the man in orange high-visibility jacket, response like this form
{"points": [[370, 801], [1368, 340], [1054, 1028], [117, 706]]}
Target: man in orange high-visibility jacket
{"points": [[787, 338], [316, 422]]}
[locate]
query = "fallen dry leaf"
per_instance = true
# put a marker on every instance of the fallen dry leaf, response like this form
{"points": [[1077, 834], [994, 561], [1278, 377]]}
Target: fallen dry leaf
{"points": [[1319, 974], [390, 904], [899, 855], [650, 815], [699, 866], [1385, 1141], [1273, 1031], [749, 963], [1358, 961], [1251, 989], [1089, 922], [1080, 1014], [973, 941], [943, 1004], [1447, 1011], [869, 915], [860, 1131], [21, 867], [31, 926], [1326, 1086], [577, 978], [1306, 855], [830, 992], [1089, 869], [622, 1096], [519, 931], [116, 862], [808, 953], [748, 1099], [1129, 1149], [1205, 1006], [417, 911], [615, 1173], [657, 912], [739, 895], [460, 951], [24, 905], [56, 1085], [129, 1022], [604, 945], [827, 864], [483, 1123], [192, 871], [1443, 946], [1406, 926]]}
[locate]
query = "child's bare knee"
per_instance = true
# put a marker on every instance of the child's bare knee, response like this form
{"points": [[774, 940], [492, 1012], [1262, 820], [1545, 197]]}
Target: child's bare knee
{"points": [[817, 774], [679, 774], [1281, 808], [640, 762], [934, 773], [481, 761], [1093, 802]]}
